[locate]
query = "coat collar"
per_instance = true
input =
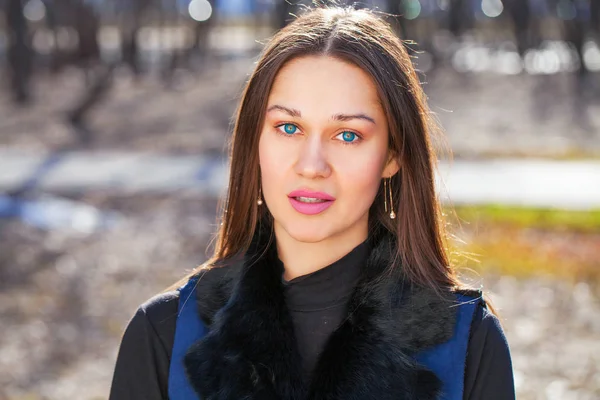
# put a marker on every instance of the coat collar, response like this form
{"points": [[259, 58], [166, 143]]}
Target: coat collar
{"points": [[250, 350]]}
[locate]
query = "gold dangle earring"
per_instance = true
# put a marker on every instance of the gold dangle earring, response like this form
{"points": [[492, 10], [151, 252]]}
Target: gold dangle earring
{"points": [[259, 201], [385, 195], [392, 213]]}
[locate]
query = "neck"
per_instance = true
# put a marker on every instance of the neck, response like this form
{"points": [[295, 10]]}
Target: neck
{"points": [[301, 258]]}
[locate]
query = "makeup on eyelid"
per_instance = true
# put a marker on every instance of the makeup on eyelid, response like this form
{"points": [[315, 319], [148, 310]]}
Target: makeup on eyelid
{"points": [[287, 131]]}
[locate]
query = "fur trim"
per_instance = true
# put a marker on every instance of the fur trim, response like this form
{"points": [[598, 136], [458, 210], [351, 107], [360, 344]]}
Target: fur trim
{"points": [[250, 351]]}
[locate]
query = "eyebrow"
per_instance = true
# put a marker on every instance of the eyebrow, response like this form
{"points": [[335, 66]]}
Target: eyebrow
{"points": [[336, 117], [291, 111], [348, 117]]}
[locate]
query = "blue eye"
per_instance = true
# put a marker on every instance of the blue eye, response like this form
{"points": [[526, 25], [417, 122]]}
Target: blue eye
{"points": [[290, 129], [349, 137]]}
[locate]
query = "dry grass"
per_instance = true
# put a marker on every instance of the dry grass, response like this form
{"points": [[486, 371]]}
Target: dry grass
{"points": [[526, 242]]}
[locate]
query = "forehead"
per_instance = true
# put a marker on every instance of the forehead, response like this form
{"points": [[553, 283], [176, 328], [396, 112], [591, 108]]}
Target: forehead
{"points": [[325, 84]]}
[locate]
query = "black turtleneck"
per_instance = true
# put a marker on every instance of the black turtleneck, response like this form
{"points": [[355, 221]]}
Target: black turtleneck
{"points": [[317, 302]]}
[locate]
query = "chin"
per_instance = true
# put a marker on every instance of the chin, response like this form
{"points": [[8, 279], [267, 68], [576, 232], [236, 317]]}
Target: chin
{"points": [[307, 237], [307, 232]]}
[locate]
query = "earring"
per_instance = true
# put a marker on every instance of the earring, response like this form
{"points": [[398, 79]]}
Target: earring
{"points": [[259, 201], [392, 213], [385, 191]]}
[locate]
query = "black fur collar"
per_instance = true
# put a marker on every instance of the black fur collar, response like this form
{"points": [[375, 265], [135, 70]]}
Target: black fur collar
{"points": [[250, 351]]}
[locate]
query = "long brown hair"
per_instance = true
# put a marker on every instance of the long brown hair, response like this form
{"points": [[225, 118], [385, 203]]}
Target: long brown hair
{"points": [[367, 41]]}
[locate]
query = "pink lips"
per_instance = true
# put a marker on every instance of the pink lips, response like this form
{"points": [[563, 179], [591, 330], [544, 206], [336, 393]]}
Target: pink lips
{"points": [[310, 208]]}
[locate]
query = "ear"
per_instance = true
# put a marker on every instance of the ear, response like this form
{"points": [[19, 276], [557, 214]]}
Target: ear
{"points": [[392, 166]]}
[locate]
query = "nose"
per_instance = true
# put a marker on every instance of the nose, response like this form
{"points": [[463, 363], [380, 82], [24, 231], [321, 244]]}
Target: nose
{"points": [[312, 159]]}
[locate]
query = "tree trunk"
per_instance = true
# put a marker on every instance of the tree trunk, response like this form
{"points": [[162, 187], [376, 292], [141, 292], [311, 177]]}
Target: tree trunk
{"points": [[19, 54]]}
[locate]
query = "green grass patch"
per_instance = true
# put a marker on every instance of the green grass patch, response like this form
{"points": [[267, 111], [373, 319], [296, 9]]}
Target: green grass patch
{"points": [[524, 242], [529, 217], [568, 154]]}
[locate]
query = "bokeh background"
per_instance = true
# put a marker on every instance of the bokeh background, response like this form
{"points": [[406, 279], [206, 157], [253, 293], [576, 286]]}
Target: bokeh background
{"points": [[114, 122]]}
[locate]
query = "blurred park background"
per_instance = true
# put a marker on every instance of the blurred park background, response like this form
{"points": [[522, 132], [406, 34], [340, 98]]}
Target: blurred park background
{"points": [[114, 122]]}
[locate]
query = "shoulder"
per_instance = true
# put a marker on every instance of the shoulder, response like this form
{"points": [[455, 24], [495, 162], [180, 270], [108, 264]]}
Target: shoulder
{"points": [[483, 317], [486, 328], [485, 334], [211, 287], [148, 336], [160, 307], [142, 365], [488, 370], [487, 343], [156, 317]]}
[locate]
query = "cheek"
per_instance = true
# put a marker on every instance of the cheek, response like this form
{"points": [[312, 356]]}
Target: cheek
{"points": [[361, 174], [273, 159]]}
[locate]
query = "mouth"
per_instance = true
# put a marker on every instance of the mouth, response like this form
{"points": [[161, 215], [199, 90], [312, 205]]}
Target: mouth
{"points": [[310, 203], [309, 199], [307, 196]]}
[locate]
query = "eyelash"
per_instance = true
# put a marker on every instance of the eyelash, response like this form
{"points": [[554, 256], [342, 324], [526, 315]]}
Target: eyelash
{"points": [[358, 137]]}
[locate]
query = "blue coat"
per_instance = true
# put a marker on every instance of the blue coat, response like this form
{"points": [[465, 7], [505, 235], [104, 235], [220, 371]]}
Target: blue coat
{"points": [[401, 341]]}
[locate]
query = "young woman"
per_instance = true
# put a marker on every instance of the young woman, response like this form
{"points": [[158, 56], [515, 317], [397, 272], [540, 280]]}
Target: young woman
{"points": [[330, 278]]}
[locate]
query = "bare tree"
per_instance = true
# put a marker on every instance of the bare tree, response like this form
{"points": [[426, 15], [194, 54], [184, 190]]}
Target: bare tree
{"points": [[20, 53]]}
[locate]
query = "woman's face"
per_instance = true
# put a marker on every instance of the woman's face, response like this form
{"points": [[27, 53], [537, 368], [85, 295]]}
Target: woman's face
{"points": [[324, 131]]}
